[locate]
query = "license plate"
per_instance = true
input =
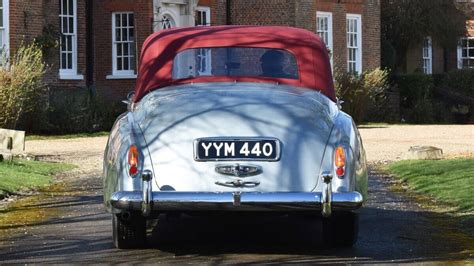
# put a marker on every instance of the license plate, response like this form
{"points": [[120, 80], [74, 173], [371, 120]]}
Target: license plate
{"points": [[244, 149]]}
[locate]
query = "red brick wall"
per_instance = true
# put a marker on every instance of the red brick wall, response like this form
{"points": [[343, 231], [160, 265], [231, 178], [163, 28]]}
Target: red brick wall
{"points": [[27, 20], [218, 11], [263, 12], [371, 35], [143, 13], [370, 11]]}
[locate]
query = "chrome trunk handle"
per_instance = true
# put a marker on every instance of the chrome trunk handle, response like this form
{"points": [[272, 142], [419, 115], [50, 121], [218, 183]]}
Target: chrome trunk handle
{"points": [[238, 183]]}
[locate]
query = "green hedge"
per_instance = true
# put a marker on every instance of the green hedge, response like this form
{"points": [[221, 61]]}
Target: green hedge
{"points": [[72, 110], [423, 98], [460, 81]]}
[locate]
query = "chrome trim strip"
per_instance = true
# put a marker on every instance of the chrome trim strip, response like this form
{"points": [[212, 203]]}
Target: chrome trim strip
{"points": [[249, 201], [277, 144]]}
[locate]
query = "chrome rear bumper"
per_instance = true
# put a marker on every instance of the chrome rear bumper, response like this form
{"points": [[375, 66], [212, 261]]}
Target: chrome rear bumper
{"points": [[234, 201]]}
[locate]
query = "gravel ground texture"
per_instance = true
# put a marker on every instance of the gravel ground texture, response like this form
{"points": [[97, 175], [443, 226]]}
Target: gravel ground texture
{"points": [[391, 143]]}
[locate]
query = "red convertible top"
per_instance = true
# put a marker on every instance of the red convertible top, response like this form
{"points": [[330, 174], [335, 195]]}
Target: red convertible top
{"points": [[160, 49]]}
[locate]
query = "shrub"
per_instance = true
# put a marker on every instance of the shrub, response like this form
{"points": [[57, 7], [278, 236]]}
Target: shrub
{"points": [[460, 81], [21, 87], [79, 110], [414, 88], [359, 92]]}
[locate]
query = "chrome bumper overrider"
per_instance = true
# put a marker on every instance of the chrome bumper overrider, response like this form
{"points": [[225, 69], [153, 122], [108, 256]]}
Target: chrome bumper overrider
{"points": [[234, 201]]}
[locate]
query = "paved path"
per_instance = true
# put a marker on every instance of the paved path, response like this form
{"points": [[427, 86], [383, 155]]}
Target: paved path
{"points": [[393, 227]]}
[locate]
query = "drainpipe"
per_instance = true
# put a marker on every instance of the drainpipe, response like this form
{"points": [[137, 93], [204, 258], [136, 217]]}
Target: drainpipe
{"points": [[227, 13], [90, 46]]}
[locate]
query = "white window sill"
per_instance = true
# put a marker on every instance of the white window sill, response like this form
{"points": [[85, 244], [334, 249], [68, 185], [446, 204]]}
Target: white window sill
{"points": [[131, 76], [71, 77]]}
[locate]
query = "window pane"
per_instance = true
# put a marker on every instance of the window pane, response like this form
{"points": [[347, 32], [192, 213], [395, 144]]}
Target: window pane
{"points": [[64, 7], [132, 63], [124, 34], [118, 35], [124, 20], [71, 7], [470, 42], [69, 60], [117, 20], [119, 63], [125, 48], [69, 43], [132, 49], [119, 49], [63, 43], [71, 25], [1, 16], [125, 63], [130, 20], [64, 25], [63, 61]]}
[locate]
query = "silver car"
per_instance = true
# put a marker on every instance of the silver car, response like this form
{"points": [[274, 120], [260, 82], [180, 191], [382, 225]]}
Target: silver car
{"points": [[235, 119]]}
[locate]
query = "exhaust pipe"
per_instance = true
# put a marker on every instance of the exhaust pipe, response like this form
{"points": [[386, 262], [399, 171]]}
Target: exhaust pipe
{"points": [[125, 216]]}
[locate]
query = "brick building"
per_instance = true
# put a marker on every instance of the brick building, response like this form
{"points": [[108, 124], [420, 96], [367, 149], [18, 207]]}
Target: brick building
{"points": [[429, 56], [99, 40]]}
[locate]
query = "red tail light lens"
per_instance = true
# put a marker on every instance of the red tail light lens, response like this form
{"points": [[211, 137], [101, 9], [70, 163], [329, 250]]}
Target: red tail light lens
{"points": [[340, 161], [133, 160]]}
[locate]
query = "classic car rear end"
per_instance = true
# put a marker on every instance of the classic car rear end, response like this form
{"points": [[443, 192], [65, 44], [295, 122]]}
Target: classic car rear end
{"points": [[216, 125]]}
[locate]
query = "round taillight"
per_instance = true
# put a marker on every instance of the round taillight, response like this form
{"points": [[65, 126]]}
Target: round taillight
{"points": [[340, 171]]}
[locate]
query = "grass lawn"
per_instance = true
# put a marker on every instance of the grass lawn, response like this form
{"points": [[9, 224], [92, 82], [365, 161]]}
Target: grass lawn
{"points": [[69, 136], [449, 181], [22, 174]]}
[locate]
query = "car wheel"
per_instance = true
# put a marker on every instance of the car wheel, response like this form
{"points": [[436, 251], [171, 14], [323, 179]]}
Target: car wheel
{"points": [[129, 231], [341, 229]]}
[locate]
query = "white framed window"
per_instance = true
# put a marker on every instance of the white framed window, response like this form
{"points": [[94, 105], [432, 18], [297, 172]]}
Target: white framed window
{"points": [[68, 40], [123, 46], [427, 56], [324, 29], [466, 53], [4, 30], [204, 66], [354, 43], [202, 16]]}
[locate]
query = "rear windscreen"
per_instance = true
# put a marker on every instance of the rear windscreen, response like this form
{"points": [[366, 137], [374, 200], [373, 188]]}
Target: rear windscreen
{"points": [[235, 62]]}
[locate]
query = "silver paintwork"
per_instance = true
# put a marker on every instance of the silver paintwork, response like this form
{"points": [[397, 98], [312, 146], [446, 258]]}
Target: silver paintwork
{"points": [[166, 122]]}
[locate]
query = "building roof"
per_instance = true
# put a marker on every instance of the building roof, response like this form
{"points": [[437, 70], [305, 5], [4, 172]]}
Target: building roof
{"points": [[159, 50]]}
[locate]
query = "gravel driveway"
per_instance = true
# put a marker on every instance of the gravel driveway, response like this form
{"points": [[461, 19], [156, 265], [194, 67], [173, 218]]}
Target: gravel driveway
{"points": [[389, 143], [393, 227]]}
